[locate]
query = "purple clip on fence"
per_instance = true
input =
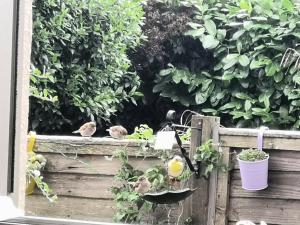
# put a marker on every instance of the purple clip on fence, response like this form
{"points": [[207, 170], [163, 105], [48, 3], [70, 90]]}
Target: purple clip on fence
{"points": [[254, 175]]}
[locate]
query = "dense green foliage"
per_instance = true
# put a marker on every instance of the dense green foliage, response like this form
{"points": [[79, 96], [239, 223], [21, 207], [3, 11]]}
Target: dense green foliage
{"points": [[165, 25], [219, 57], [252, 155], [244, 83], [80, 69]]}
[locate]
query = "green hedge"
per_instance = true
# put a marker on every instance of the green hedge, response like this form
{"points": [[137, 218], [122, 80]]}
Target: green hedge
{"points": [[80, 68], [244, 84]]}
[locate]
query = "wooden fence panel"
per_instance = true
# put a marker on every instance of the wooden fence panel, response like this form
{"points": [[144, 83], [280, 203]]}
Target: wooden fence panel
{"points": [[218, 201], [279, 204], [81, 172]]}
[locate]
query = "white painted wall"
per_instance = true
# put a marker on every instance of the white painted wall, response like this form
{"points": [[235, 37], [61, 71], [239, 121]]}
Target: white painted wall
{"points": [[6, 35]]}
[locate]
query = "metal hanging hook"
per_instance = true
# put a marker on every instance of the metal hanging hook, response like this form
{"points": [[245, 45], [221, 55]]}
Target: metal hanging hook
{"points": [[171, 114]]}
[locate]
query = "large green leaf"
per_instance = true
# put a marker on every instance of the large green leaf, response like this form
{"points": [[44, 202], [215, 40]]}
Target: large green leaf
{"points": [[288, 5], [244, 60], [195, 33], [209, 42], [238, 34], [230, 60], [210, 27], [200, 97]]}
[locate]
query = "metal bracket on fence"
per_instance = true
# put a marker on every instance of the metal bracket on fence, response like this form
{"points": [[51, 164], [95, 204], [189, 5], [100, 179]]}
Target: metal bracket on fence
{"points": [[172, 126]]}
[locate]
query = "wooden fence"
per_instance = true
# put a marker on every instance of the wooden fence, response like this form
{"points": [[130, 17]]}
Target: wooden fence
{"points": [[220, 200], [80, 171]]}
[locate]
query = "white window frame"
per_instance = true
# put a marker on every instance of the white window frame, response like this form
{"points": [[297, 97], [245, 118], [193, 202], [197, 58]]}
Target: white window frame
{"points": [[7, 70], [15, 50]]}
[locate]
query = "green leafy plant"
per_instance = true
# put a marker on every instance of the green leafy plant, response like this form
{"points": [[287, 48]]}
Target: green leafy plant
{"points": [[252, 155], [142, 132], [210, 158], [186, 135], [131, 208], [81, 47], [35, 164], [243, 83]]}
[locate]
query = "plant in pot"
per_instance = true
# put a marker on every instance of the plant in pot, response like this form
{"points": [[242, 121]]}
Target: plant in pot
{"points": [[35, 164], [254, 169]]}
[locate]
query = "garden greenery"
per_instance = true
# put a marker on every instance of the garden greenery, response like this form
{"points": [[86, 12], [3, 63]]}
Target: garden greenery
{"points": [[252, 155], [244, 83], [80, 69], [210, 158], [131, 208], [35, 164]]}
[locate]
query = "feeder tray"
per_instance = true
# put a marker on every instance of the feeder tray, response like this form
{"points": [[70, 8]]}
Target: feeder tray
{"points": [[168, 196]]}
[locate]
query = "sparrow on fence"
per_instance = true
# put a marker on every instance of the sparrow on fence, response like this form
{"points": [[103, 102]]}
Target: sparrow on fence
{"points": [[87, 129], [142, 185], [175, 166], [117, 132]]}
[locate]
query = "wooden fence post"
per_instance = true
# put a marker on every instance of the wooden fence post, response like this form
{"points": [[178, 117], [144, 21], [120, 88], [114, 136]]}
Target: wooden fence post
{"points": [[200, 207]]}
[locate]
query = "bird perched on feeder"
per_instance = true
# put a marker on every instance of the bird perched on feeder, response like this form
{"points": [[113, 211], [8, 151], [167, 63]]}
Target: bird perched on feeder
{"points": [[142, 185], [175, 166], [87, 129], [117, 132]]}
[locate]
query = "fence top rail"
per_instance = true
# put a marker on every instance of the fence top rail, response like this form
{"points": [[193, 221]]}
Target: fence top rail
{"points": [[94, 140], [87, 140], [253, 133]]}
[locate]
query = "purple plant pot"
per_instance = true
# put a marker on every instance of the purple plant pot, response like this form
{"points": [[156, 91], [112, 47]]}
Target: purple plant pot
{"points": [[254, 175]]}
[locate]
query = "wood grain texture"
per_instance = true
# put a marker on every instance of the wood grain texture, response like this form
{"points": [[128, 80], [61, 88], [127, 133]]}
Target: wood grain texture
{"points": [[223, 190], [90, 209], [195, 206], [213, 179], [282, 185], [93, 164], [251, 142], [81, 185], [33, 220], [246, 132], [234, 223], [272, 211], [280, 160], [90, 146], [71, 208]]}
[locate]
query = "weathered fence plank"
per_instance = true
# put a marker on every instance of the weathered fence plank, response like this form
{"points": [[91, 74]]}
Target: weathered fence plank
{"points": [[197, 200], [251, 142], [71, 207], [81, 185], [93, 164], [272, 211], [223, 190], [90, 146], [212, 133], [282, 185]]}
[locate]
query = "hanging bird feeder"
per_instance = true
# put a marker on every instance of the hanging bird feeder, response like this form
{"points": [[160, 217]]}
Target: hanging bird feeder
{"points": [[168, 196], [175, 196]]}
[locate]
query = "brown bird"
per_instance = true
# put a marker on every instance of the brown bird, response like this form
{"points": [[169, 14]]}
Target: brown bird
{"points": [[87, 129], [142, 185], [117, 132]]}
